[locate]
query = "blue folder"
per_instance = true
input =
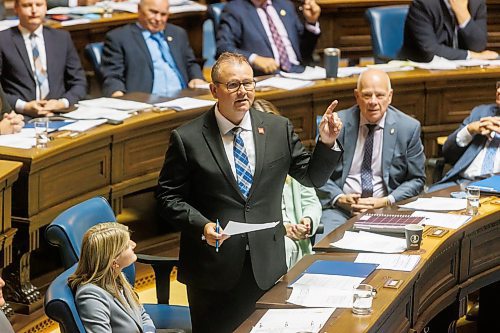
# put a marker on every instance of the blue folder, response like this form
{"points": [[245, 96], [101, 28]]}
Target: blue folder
{"points": [[489, 185], [344, 268]]}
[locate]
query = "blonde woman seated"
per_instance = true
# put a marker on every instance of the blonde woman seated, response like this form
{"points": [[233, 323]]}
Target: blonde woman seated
{"points": [[301, 209], [104, 298]]}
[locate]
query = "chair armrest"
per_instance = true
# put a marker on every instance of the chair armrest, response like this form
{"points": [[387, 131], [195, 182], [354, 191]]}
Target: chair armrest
{"points": [[435, 165], [162, 267]]}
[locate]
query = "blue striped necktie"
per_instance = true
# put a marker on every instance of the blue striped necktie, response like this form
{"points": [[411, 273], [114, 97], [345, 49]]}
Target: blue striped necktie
{"points": [[244, 176], [366, 165], [40, 73], [489, 156]]}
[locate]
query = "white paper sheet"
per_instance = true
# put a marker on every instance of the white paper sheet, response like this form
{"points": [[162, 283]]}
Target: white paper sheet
{"points": [[293, 320], [309, 73], [75, 22], [451, 221], [236, 228], [114, 103], [185, 103], [320, 297], [17, 141], [341, 282], [191, 6], [370, 242], [395, 262], [283, 83], [436, 204], [437, 62], [83, 125], [6, 24], [86, 113]]}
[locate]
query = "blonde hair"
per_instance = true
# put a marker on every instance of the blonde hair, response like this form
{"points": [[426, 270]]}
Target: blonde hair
{"points": [[101, 245]]}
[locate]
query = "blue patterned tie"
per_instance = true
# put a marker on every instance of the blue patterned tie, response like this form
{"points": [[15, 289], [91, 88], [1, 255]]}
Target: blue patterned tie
{"points": [[167, 56], [366, 165], [244, 176], [489, 157], [40, 72]]}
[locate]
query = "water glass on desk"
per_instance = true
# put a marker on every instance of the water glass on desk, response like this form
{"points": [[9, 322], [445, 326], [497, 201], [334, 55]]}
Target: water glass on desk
{"points": [[362, 299], [473, 194], [41, 126]]}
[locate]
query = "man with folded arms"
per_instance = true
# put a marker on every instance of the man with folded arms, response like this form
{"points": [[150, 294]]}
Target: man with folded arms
{"points": [[40, 70], [149, 56], [270, 34], [383, 161], [452, 29]]}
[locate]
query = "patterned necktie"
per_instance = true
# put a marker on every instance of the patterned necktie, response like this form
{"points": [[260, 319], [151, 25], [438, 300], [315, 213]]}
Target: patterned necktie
{"points": [[244, 176], [283, 56], [366, 165], [489, 157], [167, 56], [40, 73]]}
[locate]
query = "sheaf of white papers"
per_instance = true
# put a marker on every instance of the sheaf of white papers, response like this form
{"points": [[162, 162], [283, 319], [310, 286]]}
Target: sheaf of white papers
{"points": [[185, 103], [393, 66], [451, 221], [436, 204], [191, 6], [6, 24], [236, 228], [395, 262], [83, 125], [114, 103], [370, 242], [17, 141], [324, 290], [283, 83], [309, 73], [78, 10], [436, 63], [293, 320], [86, 113]]}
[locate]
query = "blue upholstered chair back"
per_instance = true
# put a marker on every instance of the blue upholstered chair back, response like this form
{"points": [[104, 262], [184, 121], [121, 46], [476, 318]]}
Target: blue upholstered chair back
{"points": [[59, 304], [210, 27], [387, 30], [67, 230], [93, 53]]}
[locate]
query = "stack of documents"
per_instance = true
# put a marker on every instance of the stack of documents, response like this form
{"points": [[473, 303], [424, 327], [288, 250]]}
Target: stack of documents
{"points": [[292, 320], [185, 103], [395, 262], [450, 221], [309, 73], [436, 204], [114, 103], [370, 242], [284, 83]]}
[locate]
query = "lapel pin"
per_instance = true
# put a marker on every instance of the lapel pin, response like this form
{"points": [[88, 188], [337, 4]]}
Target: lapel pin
{"points": [[283, 12], [392, 131], [261, 130], [170, 38]]}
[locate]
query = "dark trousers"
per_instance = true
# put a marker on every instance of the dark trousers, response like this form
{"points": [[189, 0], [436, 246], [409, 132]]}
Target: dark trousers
{"points": [[223, 311]]}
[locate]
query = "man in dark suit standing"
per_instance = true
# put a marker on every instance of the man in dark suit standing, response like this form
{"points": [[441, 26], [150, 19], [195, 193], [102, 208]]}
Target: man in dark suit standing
{"points": [[385, 159], [269, 34], [230, 164], [149, 56], [40, 70], [452, 29], [474, 148]]}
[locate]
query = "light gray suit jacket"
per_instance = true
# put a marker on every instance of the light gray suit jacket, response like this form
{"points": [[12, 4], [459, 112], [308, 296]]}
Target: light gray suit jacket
{"points": [[403, 160], [5, 326], [100, 312]]}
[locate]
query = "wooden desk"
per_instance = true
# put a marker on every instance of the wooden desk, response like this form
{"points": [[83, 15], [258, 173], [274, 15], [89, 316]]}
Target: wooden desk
{"points": [[343, 25], [460, 262]]}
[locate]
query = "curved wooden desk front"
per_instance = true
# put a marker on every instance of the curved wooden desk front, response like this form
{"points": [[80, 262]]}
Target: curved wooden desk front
{"points": [[460, 262]]}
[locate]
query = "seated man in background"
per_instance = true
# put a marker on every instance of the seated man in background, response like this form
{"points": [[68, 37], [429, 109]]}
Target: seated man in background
{"points": [[300, 206], [40, 70], [149, 56], [11, 122], [269, 34], [474, 147], [387, 162], [452, 29]]}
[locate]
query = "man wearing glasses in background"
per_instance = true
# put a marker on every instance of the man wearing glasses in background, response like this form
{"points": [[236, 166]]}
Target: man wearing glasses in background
{"points": [[474, 147], [214, 173]]}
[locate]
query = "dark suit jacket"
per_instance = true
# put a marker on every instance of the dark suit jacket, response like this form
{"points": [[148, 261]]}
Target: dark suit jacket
{"points": [[5, 104], [403, 159], [462, 157], [429, 31], [241, 31], [66, 76], [196, 186], [126, 61]]}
